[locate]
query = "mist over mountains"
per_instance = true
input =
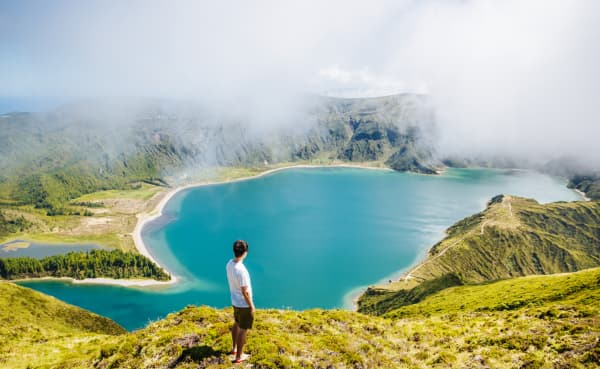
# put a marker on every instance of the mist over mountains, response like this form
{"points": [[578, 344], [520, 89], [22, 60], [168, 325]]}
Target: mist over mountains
{"points": [[95, 144], [510, 79], [50, 157]]}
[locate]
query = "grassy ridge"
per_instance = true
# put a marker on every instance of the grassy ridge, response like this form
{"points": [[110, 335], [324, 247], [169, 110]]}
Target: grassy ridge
{"points": [[512, 237], [516, 237], [557, 328], [37, 330], [529, 322], [578, 288]]}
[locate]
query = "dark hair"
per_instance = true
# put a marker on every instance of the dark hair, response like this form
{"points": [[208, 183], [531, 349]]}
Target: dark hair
{"points": [[239, 248]]}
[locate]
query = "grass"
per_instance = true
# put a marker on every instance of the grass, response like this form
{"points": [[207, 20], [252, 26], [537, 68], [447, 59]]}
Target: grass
{"points": [[512, 237], [107, 240], [144, 193], [529, 322], [378, 300], [558, 328], [232, 173], [511, 294], [41, 331], [118, 207], [65, 229]]}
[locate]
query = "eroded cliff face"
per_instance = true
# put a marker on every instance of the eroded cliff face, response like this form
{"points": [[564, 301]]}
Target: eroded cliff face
{"points": [[49, 158]]}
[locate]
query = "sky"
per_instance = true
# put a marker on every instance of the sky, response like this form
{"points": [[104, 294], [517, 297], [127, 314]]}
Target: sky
{"points": [[513, 77]]}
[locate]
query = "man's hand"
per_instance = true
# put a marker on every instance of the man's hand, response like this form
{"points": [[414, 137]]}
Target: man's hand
{"points": [[248, 298]]}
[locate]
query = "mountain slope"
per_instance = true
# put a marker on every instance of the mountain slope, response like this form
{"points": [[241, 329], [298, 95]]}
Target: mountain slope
{"points": [[586, 183], [512, 237], [37, 329], [49, 158], [530, 322], [515, 237]]}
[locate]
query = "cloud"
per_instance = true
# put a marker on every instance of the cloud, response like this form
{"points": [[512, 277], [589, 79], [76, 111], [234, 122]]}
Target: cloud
{"points": [[336, 81], [516, 78], [513, 78]]}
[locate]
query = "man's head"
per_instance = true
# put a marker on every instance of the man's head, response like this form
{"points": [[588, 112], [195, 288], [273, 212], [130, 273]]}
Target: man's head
{"points": [[240, 247]]}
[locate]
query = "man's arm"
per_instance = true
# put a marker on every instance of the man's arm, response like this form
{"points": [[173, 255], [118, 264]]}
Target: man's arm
{"points": [[247, 297]]}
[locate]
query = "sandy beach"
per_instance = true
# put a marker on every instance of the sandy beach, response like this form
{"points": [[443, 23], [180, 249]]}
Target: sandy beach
{"points": [[109, 281], [124, 282]]}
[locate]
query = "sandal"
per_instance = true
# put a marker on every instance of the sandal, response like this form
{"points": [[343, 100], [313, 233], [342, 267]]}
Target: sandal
{"points": [[241, 359]]}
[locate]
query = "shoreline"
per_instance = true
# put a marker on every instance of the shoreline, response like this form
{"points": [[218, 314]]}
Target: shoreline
{"points": [[583, 195], [97, 281], [404, 275], [351, 297], [146, 217]]}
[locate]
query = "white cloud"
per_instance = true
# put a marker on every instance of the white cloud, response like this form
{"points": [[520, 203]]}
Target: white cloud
{"points": [[336, 81], [510, 77]]}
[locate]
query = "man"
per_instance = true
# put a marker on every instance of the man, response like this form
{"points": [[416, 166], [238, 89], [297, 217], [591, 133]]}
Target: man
{"points": [[241, 299]]}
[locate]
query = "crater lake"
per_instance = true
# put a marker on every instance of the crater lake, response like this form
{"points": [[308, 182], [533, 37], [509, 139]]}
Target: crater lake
{"points": [[317, 236]]}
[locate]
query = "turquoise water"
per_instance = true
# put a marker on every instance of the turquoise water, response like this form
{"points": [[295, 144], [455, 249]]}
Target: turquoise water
{"points": [[315, 236]]}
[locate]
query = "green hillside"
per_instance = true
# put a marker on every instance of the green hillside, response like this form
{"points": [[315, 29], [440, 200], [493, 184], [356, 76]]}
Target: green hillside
{"points": [[586, 183], [50, 160], [512, 237], [39, 330], [530, 322]]}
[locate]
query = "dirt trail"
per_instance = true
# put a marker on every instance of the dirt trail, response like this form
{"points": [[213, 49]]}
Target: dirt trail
{"points": [[505, 201]]}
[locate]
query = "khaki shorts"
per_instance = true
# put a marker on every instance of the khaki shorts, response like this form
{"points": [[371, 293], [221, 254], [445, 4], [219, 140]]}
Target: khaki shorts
{"points": [[243, 317]]}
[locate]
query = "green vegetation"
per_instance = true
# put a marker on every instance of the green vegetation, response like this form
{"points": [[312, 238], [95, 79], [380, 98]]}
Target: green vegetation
{"points": [[54, 189], [377, 300], [578, 288], [438, 317], [586, 183], [530, 322], [40, 331], [68, 176], [512, 237], [136, 191], [58, 167], [110, 240], [12, 224], [51, 158], [106, 218], [80, 265], [516, 237]]}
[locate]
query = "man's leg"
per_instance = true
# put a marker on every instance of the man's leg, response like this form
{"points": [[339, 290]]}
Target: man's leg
{"points": [[240, 342], [234, 336]]}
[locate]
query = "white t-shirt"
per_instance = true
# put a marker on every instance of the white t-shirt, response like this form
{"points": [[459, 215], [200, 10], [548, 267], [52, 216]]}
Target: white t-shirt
{"points": [[238, 277]]}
